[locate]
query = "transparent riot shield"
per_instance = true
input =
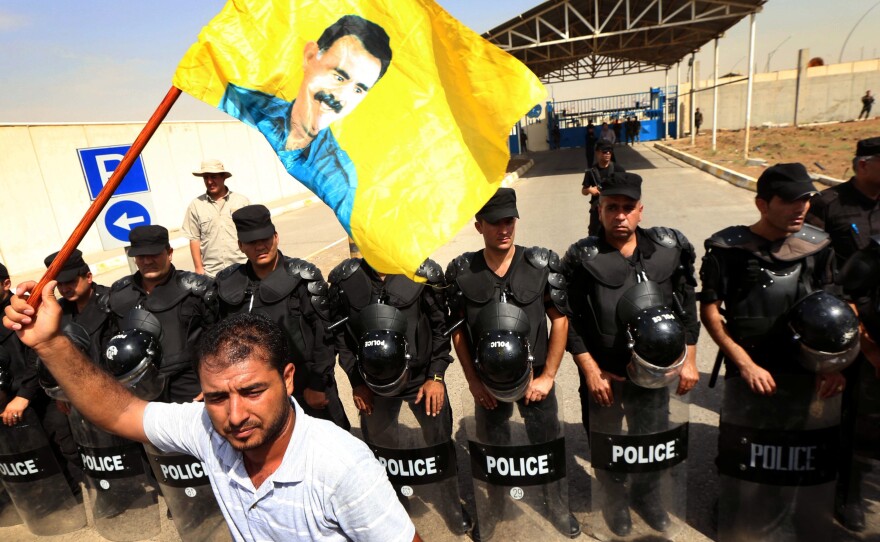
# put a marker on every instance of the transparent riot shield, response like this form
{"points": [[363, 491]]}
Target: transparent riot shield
{"points": [[864, 481], [34, 481], [777, 459], [419, 458], [124, 502], [187, 491], [8, 514], [639, 448], [518, 464]]}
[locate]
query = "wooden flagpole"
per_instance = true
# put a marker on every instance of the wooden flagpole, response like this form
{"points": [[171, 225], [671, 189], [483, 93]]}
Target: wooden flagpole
{"points": [[104, 195]]}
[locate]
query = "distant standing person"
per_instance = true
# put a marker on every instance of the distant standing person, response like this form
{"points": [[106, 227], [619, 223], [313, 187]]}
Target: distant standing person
{"points": [[607, 133], [557, 137], [616, 127], [637, 125], [867, 103], [208, 222], [698, 120], [523, 141], [590, 143]]}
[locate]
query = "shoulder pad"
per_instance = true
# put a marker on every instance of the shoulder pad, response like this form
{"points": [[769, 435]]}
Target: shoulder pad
{"points": [[812, 234], [228, 271], [459, 265], [583, 250], [298, 268], [729, 237], [121, 284], [195, 283], [431, 271], [663, 236], [537, 256], [102, 298], [344, 270]]}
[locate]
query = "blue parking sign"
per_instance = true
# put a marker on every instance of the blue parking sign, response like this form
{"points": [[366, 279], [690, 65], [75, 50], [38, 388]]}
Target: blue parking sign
{"points": [[99, 163]]}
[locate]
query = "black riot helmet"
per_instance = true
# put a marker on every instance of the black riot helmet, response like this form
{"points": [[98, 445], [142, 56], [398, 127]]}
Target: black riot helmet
{"points": [[825, 331], [383, 359], [503, 359], [658, 344], [80, 338], [132, 357]]}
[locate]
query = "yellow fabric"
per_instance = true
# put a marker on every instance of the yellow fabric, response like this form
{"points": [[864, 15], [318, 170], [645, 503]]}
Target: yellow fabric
{"points": [[429, 143]]}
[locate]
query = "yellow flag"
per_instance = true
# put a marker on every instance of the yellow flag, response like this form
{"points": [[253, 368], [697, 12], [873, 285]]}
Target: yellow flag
{"points": [[391, 111]]}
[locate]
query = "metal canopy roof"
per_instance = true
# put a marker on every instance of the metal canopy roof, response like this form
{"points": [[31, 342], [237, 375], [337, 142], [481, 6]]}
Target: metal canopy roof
{"points": [[568, 40]]}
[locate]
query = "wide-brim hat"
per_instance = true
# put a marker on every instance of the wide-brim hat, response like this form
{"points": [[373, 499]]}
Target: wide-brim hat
{"points": [[212, 167]]}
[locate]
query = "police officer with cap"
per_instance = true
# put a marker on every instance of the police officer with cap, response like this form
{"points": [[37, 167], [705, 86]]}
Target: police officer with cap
{"points": [[24, 386], [850, 214], [486, 287], [604, 166], [753, 276], [178, 306], [382, 379], [292, 292], [613, 278], [84, 301]]}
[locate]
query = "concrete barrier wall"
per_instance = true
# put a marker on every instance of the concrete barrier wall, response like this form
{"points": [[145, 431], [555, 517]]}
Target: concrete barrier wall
{"points": [[44, 192], [830, 93]]}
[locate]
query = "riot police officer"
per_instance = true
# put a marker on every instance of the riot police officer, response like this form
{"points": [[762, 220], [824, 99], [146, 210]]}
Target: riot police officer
{"points": [[413, 378], [752, 277], [600, 169], [630, 287], [292, 292], [182, 303], [850, 214], [84, 301], [515, 365]]}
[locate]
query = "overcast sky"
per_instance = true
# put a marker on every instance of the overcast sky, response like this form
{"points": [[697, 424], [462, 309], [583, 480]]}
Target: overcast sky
{"points": [[102, 60]]}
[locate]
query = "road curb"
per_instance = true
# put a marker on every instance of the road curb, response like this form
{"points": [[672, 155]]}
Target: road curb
{"points": [[514, 176], [733, 177]]}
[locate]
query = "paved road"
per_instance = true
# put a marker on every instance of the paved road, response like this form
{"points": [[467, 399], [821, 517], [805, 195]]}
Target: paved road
{"points": [[554, 214]]}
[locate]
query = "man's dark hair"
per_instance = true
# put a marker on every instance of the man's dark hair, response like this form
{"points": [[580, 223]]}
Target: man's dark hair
{"points": [[242, 336], [371, 35], [4, 274]]}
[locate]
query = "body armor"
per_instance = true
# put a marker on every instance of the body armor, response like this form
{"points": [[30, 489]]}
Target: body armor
{"points": [[774, 280], [175, 305], [472, 286], [95, 318]]}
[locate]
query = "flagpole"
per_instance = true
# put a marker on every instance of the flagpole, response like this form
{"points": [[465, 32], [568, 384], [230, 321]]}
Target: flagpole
{"points": [[104, 195]]}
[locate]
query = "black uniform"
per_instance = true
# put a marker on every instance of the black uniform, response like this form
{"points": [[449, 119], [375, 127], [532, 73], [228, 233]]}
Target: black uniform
{"points": [[95, 318], [851, 218], [354, 285], [533, 283], [184, 305], [293, 295], [595, 176]]}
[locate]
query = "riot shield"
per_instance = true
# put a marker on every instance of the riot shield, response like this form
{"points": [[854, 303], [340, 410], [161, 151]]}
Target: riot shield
{"points": [[777, 459], [864, 482], [419, 458], [34, 480], [124, 504], [639, 448], [8, 514], [518, 465], [187, 491]]}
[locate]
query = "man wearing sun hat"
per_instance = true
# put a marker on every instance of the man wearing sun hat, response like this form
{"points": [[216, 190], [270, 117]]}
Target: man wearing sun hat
{"points": [[208, 221]]}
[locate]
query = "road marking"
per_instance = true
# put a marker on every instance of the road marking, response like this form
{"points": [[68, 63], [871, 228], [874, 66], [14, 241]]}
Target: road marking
{"points": [[328, 247]]}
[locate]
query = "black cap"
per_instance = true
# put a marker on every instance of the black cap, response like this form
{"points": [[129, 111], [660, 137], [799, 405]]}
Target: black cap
{"points": [[868, 147], [4, 273], [788, 181], [604, 145], [252, 223], [501, 205], [623, 184], [147, 241], [72, 268]]}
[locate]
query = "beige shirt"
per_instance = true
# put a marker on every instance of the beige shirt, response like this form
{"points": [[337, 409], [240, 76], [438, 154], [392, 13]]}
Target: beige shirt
{"points": [[210, 223]]}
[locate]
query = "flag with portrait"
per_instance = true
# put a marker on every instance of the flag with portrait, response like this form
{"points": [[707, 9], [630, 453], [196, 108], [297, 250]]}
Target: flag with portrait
{"points": [[391, 111]]}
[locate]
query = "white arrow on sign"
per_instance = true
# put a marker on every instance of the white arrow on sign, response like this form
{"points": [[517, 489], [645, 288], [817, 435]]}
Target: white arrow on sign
{"points": [[125, 222]]}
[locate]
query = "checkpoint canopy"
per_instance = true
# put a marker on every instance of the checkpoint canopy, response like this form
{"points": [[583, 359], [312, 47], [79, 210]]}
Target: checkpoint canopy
{"points": [[569, 40]]}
